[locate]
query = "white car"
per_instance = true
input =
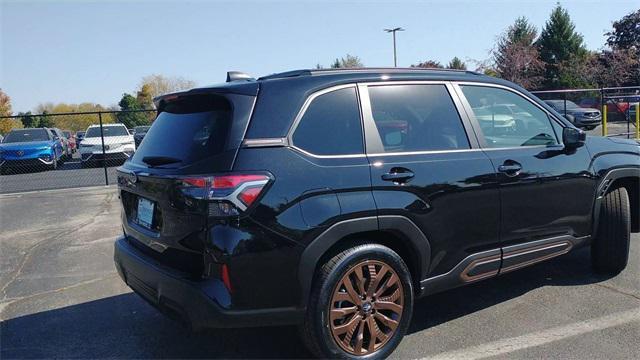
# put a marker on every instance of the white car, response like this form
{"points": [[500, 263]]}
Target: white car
{"points": [[118, 144]]}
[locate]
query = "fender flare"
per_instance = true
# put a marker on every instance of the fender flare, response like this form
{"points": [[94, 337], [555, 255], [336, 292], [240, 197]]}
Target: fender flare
{"points": [[393, 223], [602, 188]]}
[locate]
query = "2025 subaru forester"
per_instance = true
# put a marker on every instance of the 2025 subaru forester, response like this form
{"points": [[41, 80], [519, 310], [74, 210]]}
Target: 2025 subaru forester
{"points": [[331, 199]]}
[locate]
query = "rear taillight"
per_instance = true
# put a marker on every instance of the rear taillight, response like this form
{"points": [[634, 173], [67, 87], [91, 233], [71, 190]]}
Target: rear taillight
{"points": [[228, 195]]}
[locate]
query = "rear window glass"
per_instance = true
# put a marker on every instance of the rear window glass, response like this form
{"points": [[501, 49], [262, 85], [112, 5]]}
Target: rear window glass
{"points": [[27, 135], [187, 131], [107, 131]]}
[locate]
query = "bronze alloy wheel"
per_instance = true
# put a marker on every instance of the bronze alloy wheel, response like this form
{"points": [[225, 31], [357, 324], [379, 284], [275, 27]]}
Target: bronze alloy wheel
{"points": [[366, 307]]}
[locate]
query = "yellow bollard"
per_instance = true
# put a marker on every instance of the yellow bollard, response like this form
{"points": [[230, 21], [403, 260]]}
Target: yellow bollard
{"points": [[638, 121], [604, 120]]}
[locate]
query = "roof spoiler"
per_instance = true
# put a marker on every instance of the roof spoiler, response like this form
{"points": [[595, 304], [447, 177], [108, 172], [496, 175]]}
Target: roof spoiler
{"points": [[238, 76]]}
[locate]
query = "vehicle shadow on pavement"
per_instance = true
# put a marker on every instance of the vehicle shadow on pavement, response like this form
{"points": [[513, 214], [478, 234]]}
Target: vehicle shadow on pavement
{"points": [[124, 326]]}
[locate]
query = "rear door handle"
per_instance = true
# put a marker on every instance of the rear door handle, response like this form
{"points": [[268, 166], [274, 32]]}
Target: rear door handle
{"points": [[510, 168], [398, 175]]}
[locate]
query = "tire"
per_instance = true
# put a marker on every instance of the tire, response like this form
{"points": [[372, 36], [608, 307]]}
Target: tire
{"points": [[322, 335], [54, 166], [610, 248]]}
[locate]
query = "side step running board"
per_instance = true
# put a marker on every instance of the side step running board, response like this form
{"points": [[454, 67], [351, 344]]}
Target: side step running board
{"points": [[490, 263]]}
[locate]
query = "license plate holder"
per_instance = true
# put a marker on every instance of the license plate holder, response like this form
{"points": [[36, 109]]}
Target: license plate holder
{"points": [[145, 212]]}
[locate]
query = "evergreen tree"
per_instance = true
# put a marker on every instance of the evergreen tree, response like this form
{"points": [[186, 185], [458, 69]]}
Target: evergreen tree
{"points": [[457, 64], [559, 44], [516, 57], [131, 119]]}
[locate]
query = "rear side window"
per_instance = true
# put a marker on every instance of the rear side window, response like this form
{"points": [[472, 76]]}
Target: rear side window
{"points": [[416, 118], [331, 125], [187, 130]]}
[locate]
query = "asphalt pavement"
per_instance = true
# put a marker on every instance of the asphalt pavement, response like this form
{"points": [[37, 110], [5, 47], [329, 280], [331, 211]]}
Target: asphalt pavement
{"points": [[60, 297]]}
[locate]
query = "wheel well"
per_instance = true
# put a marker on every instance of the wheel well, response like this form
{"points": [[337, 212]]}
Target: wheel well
{"points": [[393, 241], [632, 185]]}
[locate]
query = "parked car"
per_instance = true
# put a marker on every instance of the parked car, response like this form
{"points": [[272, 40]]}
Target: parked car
{"points": [[616, 111], [79, 137], [66, 148], [139, 132], [32, 148], [118, 144], [579, 116], [72, 140], [301, 210]]}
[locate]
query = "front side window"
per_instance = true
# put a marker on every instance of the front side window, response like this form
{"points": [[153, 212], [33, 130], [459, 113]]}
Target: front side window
{"points": [[331, 125], [507, 119], [416, 118]]}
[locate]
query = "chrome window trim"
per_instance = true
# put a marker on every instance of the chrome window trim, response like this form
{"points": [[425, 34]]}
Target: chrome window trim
{"points": [[303, 110], [457, 85]]}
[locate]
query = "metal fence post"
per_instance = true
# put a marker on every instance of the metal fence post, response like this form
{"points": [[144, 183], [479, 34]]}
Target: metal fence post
{"points": [[604, 120], [104, 157]]}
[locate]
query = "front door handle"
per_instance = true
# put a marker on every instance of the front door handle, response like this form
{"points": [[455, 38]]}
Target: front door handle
{"points": [[398, 175], [510, 168]]}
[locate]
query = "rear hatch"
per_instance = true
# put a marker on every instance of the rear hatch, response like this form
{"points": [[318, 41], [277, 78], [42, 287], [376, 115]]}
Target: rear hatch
{"points": [[165, 213]]}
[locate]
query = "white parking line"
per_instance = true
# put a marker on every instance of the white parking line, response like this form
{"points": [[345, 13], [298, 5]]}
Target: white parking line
{"points": [[509, 345]]}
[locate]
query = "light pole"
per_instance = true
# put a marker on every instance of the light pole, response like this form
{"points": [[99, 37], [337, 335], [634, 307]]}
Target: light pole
{"points": [[393, 31]]}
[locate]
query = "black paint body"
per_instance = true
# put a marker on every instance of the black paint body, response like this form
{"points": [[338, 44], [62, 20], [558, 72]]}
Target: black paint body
{"points": [[456, 205]]}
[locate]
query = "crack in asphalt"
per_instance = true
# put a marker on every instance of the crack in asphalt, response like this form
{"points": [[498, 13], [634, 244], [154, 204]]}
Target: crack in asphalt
{"points": [[103, 208], [6, 302]]}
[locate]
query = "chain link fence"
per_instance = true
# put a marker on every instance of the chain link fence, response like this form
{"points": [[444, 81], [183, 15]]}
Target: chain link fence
{"points": [[604, 111], [67, 150]]}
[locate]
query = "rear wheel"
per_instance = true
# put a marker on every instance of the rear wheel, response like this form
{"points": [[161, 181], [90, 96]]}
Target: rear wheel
{"points": [[610, 248], [360, 306]]}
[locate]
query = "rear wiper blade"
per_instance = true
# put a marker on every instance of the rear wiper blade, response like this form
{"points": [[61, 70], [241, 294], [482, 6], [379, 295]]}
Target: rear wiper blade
{"points": [[160, 160]]}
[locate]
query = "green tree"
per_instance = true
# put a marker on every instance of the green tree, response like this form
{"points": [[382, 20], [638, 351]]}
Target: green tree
{"points": [[457, 64], [560, 46], [29, 120], [349, 61], [5, 104], [429, 64], [516, 57], [131, 119]]}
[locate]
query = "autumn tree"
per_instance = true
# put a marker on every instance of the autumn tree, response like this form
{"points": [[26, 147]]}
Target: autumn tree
{"points": [[5, 104], [457, 64], [560, 47], [624, 41], [159, 84], [516, 57], [8, 124]]}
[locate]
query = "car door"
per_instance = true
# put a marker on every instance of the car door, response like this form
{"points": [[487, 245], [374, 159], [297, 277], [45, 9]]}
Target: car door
{"points": [[546, 190], [426, 166]]}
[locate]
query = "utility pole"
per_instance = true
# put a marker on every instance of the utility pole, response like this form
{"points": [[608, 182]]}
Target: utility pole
{"points": [[393, 32]]}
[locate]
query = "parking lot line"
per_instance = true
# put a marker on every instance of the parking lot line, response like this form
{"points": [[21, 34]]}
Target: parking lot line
{"points": [[510, 345]]}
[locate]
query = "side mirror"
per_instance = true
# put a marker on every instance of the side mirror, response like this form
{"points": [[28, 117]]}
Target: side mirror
{"points": [[573, 138]]}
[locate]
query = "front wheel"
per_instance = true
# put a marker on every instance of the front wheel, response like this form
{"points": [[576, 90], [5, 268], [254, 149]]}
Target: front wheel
{"points": [[360, 305], [54, 165], [610, 248]]}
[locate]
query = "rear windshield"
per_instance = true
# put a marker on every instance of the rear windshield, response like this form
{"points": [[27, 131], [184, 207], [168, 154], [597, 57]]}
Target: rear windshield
{"points": [[187, 131], [107, 130], [27, 135]]}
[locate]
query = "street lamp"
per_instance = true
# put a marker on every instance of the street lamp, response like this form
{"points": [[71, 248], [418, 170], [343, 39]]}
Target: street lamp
{"points": [[393, 31]]}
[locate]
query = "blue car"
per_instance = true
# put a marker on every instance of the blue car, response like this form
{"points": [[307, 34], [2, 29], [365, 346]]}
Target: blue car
{"points": [[35, 148]]}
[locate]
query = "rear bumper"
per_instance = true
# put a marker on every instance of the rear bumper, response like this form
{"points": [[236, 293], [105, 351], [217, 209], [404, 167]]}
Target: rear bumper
{"points": [[197, 303]]}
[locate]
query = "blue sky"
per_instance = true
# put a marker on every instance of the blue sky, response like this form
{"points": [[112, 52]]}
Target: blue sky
{"points": [[93, 51]]}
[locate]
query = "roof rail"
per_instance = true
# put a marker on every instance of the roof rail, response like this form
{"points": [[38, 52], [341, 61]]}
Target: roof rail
{"points": [[238, 76], [308, 72]]}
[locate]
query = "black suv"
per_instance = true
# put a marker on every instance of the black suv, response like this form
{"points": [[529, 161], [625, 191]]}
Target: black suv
{"points": [[331, 199]]}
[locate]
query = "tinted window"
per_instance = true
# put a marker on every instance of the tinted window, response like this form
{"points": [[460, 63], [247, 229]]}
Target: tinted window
{"points": [[527, 125], [188, 131], [25, 135], [107, 131], [331, 125], [416, 118]]}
